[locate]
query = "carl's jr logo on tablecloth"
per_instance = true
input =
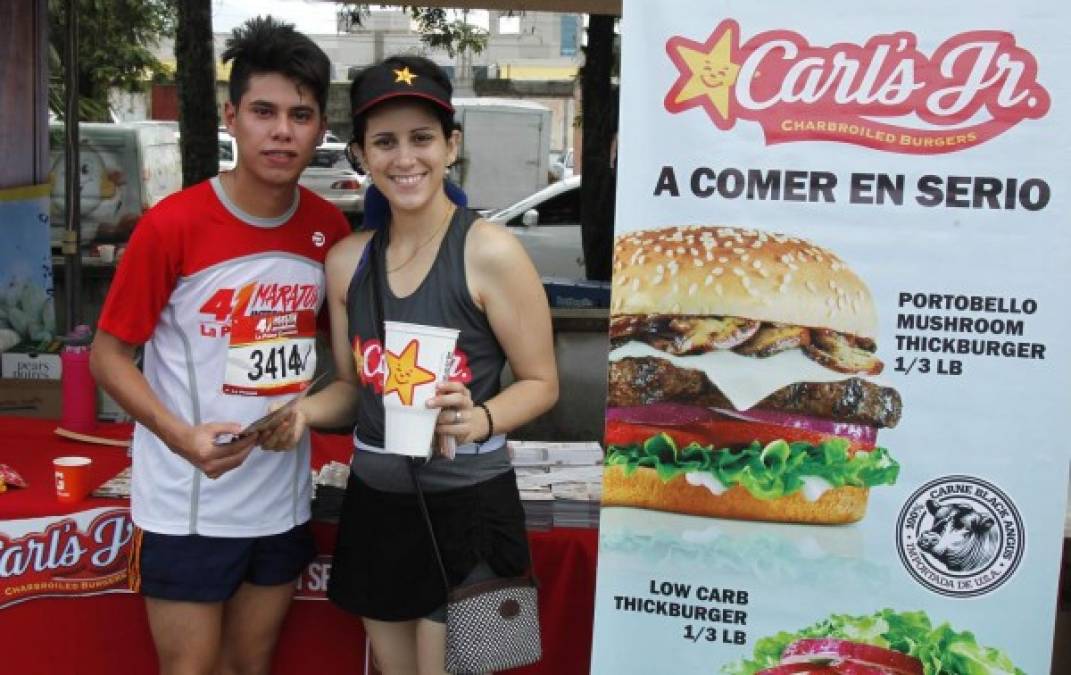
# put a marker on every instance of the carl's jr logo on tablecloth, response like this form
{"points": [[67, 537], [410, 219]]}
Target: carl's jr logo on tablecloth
{"points": [[57, 556]]}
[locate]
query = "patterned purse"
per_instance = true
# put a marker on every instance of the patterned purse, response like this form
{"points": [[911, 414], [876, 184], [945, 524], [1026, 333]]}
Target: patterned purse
{"points": [[490, 625]]}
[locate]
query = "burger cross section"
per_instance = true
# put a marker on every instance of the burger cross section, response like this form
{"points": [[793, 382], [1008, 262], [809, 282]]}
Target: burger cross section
{"points": [[741, 379]]}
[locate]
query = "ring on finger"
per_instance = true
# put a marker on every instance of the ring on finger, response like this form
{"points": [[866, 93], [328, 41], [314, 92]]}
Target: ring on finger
{"points": [[457, 416]]}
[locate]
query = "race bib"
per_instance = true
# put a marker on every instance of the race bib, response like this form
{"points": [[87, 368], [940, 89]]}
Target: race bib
{"points": [[271, 354]]}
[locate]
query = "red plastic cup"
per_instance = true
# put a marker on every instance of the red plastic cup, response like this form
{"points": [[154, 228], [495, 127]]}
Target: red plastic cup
{"points": [[72, 478]]}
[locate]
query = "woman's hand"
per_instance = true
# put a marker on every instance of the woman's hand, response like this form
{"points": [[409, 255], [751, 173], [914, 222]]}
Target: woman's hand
{"points": [[457, 416], [287, 432]]}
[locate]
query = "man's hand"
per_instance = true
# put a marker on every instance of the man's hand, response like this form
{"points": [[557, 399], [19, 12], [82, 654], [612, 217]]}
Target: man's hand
{"points": [[198, 447]]}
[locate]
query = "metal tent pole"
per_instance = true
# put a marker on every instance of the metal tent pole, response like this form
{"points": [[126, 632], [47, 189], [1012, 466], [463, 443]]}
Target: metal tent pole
{"points": [[72, 199]]}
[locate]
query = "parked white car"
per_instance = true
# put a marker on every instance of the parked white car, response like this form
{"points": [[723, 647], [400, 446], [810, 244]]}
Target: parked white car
{"points": [[562, 167], [328, 175], [228, 151], [548, 225]]}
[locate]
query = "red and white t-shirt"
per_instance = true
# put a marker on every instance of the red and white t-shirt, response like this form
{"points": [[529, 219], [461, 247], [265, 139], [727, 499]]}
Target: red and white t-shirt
{"points": [[226, 305]]}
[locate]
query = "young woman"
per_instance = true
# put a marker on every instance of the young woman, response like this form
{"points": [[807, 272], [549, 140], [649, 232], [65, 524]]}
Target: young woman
{"points": [[437, 264]]}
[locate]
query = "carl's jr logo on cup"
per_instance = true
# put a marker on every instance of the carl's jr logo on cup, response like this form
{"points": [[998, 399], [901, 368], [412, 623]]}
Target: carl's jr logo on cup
{"points": [[416, 357], [404, 373]]}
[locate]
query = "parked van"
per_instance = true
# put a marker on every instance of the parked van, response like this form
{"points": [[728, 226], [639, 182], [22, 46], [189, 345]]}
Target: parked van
{"points": [[124, 169], [505, 145]]}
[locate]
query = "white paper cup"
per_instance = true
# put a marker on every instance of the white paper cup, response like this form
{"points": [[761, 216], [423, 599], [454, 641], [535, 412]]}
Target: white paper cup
{"points": [[417, 357], [107, 252]]}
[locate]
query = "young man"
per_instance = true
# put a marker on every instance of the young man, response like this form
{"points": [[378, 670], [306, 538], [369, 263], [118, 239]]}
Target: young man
{"points": [[222, 283]]}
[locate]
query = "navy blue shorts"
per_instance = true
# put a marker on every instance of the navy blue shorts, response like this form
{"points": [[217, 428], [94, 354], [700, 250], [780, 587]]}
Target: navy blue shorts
{"points": [[194, 568]]}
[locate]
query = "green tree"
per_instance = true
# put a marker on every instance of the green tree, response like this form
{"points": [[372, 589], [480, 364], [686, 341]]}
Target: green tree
{"points": [[437, 29], [456, 36], [114, 42]]}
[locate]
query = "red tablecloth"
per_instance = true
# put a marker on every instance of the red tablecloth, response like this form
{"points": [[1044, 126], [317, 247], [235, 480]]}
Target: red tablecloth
{"points": [[108, 633]]}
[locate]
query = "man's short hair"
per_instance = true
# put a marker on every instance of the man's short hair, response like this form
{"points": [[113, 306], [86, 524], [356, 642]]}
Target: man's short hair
{"points": [[264, 45]]}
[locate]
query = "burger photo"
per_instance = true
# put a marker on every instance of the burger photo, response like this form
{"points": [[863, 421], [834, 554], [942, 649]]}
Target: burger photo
{"points": [[884, 643], [741, 379]]}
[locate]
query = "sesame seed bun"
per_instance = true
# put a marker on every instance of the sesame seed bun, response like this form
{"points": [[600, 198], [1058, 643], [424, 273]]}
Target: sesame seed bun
{"points": [[709, 270], [644, 489]]}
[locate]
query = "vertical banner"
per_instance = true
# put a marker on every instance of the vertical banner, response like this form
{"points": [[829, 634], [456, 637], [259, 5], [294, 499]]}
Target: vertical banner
{"points": [[26, 308], [839, 339]]}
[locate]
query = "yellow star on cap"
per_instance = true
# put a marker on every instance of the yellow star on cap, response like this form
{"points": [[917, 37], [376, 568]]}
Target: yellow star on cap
{"points": [[707, 72], [404, 374], [404, 75]]}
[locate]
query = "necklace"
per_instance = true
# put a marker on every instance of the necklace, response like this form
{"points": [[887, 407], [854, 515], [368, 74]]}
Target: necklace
{"points": [[421, 245]]}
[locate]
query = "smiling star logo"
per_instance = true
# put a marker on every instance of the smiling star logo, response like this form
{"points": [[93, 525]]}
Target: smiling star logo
{"points": [[404, 75], [707, 73], [404, 375]]}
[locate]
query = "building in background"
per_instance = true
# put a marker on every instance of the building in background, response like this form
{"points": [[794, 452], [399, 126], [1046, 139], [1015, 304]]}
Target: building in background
{"points": [[530, 55]]}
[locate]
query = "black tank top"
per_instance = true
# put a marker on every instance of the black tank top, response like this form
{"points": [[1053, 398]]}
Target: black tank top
{"points": [[441, 299]]}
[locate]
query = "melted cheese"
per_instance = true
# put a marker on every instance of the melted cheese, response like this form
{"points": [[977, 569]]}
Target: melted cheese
{"points": [[745, 380]]}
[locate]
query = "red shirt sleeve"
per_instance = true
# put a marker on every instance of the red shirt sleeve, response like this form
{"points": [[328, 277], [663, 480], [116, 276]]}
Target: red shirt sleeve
{"points": [[339, 230], [144, 280]]}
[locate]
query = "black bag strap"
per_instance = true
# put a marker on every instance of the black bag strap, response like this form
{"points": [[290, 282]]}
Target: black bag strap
{"points": [[427, 521], [371, 257], [372, 253]]}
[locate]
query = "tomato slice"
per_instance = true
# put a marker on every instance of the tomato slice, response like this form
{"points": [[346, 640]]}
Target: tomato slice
{"points": [[798, 669], [721, 433], [853, 654], [854, 668]]}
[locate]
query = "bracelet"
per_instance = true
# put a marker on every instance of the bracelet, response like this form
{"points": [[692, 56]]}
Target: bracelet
{"points": [[490, 424]]}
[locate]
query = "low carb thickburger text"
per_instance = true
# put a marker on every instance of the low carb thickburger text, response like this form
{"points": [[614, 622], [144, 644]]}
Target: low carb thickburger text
{"points": [[709, 595], [696, 605]]}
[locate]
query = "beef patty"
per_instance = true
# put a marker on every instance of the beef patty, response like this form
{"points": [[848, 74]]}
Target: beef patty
{"points": [[644, 380]]}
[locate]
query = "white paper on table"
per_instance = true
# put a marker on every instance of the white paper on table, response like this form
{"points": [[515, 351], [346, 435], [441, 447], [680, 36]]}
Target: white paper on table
{"points": [[558, 475]]}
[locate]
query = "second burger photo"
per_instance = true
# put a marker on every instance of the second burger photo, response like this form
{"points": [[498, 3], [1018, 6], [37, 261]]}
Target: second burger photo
{"points": [[743, 379]]}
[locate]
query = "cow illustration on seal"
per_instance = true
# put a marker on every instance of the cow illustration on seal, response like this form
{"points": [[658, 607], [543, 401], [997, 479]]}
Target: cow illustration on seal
{"points": [[960, 536]]}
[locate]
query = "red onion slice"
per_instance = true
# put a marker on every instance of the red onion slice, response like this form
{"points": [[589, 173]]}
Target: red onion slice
{"points": [[660, 414]]}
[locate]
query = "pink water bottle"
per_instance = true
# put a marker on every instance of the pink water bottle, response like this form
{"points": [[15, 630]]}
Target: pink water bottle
{"points": [[79, 388]]}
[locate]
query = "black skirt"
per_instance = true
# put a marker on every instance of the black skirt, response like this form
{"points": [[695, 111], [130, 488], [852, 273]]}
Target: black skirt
{"points": [[384, 565]]}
